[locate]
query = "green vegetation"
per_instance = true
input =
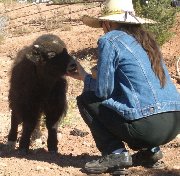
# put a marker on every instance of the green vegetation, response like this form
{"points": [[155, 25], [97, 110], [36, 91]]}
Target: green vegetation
{"points": [[72, 116], [161, 12]]}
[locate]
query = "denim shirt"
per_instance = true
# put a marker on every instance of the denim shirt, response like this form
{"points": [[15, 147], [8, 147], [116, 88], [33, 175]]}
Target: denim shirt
{"points": [[126, 82]]}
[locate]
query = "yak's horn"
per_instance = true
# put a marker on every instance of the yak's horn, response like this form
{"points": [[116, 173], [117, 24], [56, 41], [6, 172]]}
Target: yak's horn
{"points": [[36, 46]]}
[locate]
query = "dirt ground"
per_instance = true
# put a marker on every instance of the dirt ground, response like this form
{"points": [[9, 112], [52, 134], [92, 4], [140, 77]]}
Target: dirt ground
{"points": [[75, 149]]}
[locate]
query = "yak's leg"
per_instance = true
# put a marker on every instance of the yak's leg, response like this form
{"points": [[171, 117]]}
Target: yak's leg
{"points": [[54, 111], [52, 126], [52, 122], [12, 136], [29, 125]]}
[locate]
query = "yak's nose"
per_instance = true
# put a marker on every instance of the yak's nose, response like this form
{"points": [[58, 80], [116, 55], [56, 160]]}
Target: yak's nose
{"points": [[72, 66]]}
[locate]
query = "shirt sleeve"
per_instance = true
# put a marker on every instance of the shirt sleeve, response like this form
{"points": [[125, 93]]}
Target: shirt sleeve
{"points": [[106, 68], [103, 85], [89, 83]]}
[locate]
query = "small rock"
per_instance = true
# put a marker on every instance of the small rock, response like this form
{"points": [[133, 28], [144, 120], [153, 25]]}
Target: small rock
{"points": [[47, 168], [86, 144], [3, 164], [176, 167], [178, 136], [59, 135], [39, 168]]}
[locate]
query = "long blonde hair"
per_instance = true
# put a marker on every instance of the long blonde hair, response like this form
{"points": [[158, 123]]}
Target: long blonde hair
{"points": [[150, 46]]}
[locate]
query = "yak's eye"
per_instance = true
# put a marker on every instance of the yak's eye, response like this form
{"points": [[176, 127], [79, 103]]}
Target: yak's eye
{"points": [[51, 54], [35, 52]]}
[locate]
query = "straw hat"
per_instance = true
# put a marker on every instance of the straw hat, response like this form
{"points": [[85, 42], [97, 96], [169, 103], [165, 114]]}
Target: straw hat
{"points": [[120, 11]]}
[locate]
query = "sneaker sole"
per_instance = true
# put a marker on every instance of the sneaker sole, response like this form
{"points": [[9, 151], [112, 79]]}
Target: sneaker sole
{"points": [[115, 170], [95, 171], [119, 172]]}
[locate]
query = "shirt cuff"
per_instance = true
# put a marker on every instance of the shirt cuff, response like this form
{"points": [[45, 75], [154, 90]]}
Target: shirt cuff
{"points": [[89, 83]]}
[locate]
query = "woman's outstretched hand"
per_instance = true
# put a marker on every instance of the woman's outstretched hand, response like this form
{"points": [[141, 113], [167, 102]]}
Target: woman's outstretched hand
{"points": [[79, 74]]}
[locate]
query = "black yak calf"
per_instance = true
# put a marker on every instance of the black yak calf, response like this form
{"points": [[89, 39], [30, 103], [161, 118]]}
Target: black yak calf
{"points": [[38, 85]]}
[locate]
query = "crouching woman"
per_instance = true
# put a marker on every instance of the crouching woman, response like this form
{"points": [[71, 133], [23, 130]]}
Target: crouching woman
{"points": [[132, 100]]}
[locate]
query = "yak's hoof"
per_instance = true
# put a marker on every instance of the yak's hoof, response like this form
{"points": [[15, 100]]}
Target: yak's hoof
{"points": [[10, 145], [23, 152]]}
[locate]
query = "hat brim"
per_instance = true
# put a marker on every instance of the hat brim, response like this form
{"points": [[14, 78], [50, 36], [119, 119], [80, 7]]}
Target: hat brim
{"points": [[119, 18]]}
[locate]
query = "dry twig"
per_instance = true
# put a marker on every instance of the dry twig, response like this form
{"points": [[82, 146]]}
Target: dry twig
{"points": [[177, 67]]}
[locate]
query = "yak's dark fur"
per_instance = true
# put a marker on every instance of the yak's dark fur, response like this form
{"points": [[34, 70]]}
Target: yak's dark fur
{"points": [[37, 86]]}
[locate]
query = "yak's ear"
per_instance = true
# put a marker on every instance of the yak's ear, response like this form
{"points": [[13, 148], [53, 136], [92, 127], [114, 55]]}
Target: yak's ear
{"points": [[51, 54], [33, 53]]}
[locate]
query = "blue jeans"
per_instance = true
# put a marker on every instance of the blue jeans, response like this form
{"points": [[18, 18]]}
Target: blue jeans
{"points": [[110, 130]]}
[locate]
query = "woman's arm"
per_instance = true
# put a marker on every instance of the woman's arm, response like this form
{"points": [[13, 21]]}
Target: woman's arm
{"points": [[106, 68]]}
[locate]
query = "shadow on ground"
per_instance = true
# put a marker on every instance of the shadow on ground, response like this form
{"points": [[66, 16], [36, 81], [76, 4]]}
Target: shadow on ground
{"points": [[41, 154]]}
